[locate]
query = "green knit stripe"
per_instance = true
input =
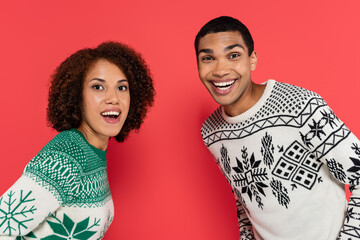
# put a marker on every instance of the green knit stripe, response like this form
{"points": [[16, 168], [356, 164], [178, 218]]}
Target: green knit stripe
{"points": [[89, 203], [71, 170], [54, 189]]}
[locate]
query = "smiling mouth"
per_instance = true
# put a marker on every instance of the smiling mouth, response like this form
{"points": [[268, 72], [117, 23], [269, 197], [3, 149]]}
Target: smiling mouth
{"points": [[110, 114], [223, 85]]}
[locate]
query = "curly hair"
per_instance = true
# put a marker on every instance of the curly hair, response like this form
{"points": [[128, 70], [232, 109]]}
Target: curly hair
{"points": [[65, 93]]}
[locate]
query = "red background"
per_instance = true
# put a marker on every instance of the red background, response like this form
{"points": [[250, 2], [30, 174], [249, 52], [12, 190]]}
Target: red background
{"points": [[164, 182]]}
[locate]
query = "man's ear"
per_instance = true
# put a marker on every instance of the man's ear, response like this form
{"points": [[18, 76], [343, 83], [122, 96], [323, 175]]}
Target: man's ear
{"points": [[253, 60]]}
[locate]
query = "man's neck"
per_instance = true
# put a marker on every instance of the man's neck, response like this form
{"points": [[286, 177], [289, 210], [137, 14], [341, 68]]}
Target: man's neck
{"points": [[246, 101]]}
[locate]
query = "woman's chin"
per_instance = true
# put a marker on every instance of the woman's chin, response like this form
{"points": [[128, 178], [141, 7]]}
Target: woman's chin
{"points": [[113, 133]]}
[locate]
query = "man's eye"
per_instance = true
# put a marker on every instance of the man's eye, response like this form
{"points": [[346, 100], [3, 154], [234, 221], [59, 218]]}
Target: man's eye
{"points": [[206, 58], [97, 87], [234, 55], [123, 88]]}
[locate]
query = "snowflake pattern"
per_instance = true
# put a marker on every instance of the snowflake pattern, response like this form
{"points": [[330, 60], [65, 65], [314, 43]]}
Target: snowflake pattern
{"points": [[106, 226], [316, 128], [250, 177], [350, 214], [28, 236], [349, 229], [68, 229], [354, 178], [52, 174], [16, 212], [356, 167], [356, 149]]}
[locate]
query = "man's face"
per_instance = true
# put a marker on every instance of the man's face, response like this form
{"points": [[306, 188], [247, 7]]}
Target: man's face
{"points": [[224, 67]]}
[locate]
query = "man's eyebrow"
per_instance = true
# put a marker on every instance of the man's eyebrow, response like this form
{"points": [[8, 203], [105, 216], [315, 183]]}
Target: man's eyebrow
{"points": [[233, 46], [102, 80], [206, 50]]}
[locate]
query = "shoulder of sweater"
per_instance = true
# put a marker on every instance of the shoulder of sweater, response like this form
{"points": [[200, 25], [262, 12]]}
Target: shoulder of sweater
{"points": [[65, 141], [289, 90], [66, 144], [288, 99], [297, 91]]}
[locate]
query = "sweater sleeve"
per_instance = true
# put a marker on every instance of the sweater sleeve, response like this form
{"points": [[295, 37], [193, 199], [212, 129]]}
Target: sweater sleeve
{"points": [[344, 165], [245, 226], [339, 149], [48, 181], [23, 207]]}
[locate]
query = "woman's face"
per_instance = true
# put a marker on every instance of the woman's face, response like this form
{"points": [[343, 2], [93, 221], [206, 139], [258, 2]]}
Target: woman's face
{"points": [[106, 101]]}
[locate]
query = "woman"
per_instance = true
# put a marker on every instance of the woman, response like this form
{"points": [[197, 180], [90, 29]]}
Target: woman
{"points": [[63, 193]]}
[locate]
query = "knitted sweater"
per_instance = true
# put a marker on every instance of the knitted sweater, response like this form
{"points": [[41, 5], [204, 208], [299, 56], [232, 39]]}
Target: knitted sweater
{"points": [[287, 160], [63, 193]]}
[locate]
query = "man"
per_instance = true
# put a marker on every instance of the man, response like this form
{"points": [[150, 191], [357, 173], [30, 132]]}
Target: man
{"points": [[281, 148]]}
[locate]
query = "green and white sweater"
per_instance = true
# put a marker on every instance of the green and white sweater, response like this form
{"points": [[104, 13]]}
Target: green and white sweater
{"points": [[287, 160], [63, 193]]}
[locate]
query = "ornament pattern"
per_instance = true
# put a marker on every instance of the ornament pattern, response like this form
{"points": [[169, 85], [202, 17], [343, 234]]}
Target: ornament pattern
{"points": [[281, 150], [280, 192], [298, 166], [66, 176]]}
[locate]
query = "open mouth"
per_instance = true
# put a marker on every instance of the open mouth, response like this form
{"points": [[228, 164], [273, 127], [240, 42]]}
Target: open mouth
{"points": [[110, 114], [223, 85]]}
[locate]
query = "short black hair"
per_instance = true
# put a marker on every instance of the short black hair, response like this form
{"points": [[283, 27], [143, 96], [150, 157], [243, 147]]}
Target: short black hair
{"points": [[225, 24]]}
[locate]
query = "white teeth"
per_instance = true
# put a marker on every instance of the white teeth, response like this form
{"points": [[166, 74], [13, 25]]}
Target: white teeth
{"points": [[112, 113], [224, 88], [223, 85]]}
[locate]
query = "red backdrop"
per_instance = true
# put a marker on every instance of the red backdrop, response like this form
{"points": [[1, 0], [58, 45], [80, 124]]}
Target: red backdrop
{"points": [[164, 182]]}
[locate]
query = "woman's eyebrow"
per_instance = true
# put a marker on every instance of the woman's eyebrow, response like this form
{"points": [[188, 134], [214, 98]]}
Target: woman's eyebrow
{"points": [[97, 79], [102, 80]]}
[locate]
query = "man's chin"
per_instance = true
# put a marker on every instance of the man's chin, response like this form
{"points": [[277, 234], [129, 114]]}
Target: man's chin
{"points": [[223, 100]]}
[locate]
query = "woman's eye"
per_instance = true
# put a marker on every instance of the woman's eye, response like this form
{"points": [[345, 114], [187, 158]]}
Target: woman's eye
{"points": [[234, 55], [123, 88], [97, 87]]}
